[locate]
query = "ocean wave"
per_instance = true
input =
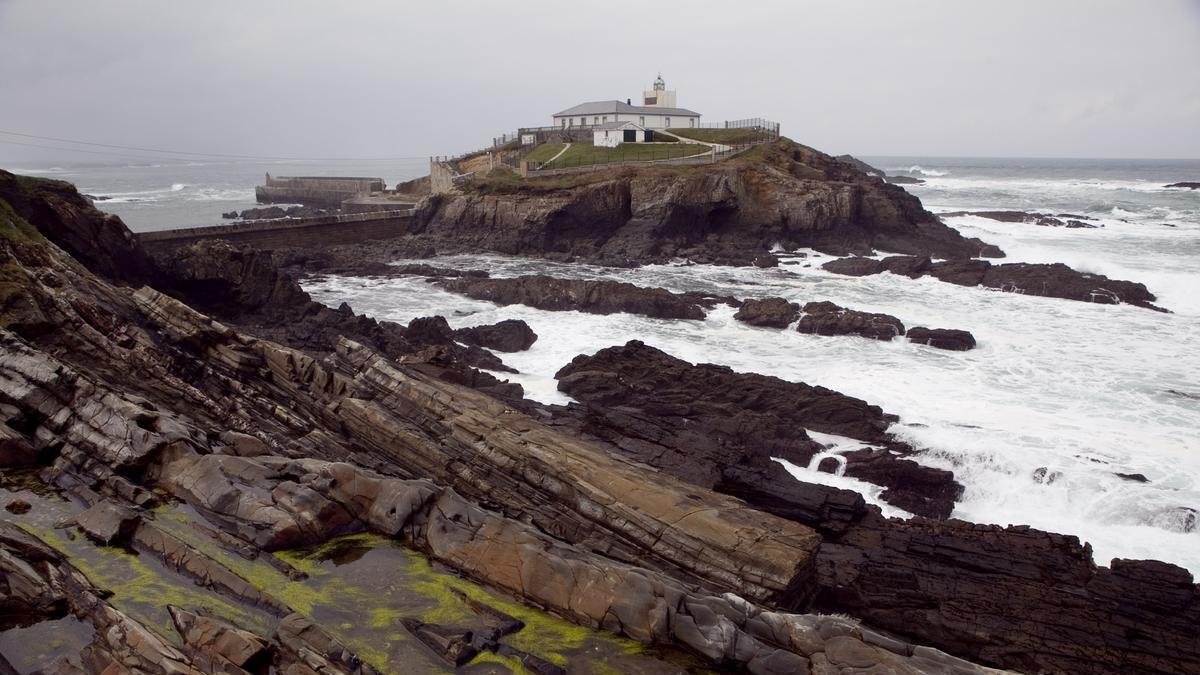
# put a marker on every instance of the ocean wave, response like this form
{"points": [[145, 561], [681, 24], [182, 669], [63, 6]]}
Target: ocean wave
{"points": [[933, 173], [220, 195]]}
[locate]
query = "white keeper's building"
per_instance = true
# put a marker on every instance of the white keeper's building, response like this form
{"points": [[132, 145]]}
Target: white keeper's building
{"points": [[657, 111]]}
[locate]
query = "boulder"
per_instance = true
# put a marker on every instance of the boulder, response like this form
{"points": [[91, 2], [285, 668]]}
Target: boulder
{"points": [[826, 318], [854, 267], [960, 272], [18, 507], [107, 523], [509, 335], [942, 338], [450, 644], [219, 645], [906, 265], [1185, 184], [768, 312], [229, 215], [765, 260]]}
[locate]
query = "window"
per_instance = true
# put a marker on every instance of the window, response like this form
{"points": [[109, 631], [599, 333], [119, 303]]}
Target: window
{"points": [[583, 121], [564, 123], [642, 120], [596, 120], [605, 119], [668, 121], [693, 121]]}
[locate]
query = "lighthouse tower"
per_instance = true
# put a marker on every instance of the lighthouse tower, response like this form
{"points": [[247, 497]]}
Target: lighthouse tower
{"points": [[659, 97]]}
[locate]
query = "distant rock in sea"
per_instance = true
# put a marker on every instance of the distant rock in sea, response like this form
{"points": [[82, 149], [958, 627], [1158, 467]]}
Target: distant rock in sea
{"points": [[1191, 185]]}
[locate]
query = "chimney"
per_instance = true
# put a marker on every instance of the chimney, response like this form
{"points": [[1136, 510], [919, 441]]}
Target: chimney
{"points": [[628, 101]]}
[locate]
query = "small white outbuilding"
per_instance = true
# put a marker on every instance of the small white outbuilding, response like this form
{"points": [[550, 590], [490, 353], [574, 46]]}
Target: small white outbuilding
{"points": [[612, 134]]}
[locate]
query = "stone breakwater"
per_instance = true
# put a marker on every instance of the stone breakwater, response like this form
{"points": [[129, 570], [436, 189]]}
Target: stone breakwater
{"points": [[212, 381]]}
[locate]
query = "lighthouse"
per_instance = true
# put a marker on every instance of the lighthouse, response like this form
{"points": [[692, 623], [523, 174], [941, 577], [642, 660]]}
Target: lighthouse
{"points": [[659, 97]]}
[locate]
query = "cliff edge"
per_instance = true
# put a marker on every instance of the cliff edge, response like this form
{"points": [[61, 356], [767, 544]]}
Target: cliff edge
{"points": [[728, 212]]}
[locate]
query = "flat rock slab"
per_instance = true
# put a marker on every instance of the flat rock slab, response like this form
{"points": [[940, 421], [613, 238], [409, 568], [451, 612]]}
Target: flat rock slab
{"points": [[108, 523]]}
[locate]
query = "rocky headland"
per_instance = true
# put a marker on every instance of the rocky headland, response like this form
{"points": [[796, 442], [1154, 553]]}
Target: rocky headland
{"points": [[201, 410]]}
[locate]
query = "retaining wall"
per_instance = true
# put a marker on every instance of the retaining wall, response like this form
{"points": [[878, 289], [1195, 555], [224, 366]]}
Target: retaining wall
{"points": [[293, 232]]}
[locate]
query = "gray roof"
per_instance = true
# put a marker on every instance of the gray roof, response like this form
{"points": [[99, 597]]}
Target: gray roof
{"points": [[603, 107]]}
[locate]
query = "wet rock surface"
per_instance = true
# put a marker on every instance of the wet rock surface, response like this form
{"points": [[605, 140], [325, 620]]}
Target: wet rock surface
{"points": [[135, 397], [509, 335], [720, 429], [942, 338], [1054, 280], [768, 312], [826, 318], [1185, 184], [592, 296], [1068, 220]]}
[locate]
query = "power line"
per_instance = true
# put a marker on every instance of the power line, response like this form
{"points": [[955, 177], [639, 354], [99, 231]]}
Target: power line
{"points": [[90, 152], [203, 154]]}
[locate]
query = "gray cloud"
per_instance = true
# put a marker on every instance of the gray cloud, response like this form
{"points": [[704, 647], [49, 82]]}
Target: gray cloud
{"points": [[383, 79]]}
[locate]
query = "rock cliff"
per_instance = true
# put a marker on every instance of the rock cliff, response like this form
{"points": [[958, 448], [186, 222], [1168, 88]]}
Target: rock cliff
{"points": [[729, 212], [128, 398]]}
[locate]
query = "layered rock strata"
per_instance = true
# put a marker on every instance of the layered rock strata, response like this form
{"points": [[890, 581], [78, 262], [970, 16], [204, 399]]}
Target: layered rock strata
{"points": [[130, 394], [722, 430]]}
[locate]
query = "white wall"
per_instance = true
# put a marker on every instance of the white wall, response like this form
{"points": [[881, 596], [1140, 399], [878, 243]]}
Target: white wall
{"points": [[607, 138], [648, 121]]}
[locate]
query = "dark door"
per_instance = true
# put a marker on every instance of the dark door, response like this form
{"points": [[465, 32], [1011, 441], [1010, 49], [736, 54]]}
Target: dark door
{"points": [[649, 136], [631, 135]]}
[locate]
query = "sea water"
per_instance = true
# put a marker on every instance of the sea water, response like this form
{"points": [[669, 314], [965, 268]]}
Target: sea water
{"points": [[1058, 398]]}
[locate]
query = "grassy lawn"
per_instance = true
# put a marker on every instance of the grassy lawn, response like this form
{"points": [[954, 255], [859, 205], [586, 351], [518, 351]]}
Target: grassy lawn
{"points": [[726, 136], [583, 155], [544, 152]]}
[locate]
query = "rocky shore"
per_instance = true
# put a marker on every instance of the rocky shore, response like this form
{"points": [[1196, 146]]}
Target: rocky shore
{"points": [[652, 508], [1054, 280]]}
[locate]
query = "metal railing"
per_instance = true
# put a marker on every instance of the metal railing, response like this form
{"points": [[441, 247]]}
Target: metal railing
{"points": [[648, 155]]}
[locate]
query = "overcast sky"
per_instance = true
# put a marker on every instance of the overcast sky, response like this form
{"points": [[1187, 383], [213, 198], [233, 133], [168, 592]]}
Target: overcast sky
{"points": [[1078, 78]]}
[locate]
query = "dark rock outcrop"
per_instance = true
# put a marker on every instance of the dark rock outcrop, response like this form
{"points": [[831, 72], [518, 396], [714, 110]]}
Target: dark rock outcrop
{"points": [[509, 335], [826, 318], [720, 429], [1054, 280], [942, 338], [584, 295], [133, 397], [1072, 221], [1014, 596], [1185, 184], [62, 215], [904, 180], [854, 267], [768, 312], [861, 165], [243, 285]]}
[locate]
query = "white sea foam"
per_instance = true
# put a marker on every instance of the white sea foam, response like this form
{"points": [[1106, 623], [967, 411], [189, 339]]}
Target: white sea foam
{"points": [[1058, 398], [917, 169]]}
